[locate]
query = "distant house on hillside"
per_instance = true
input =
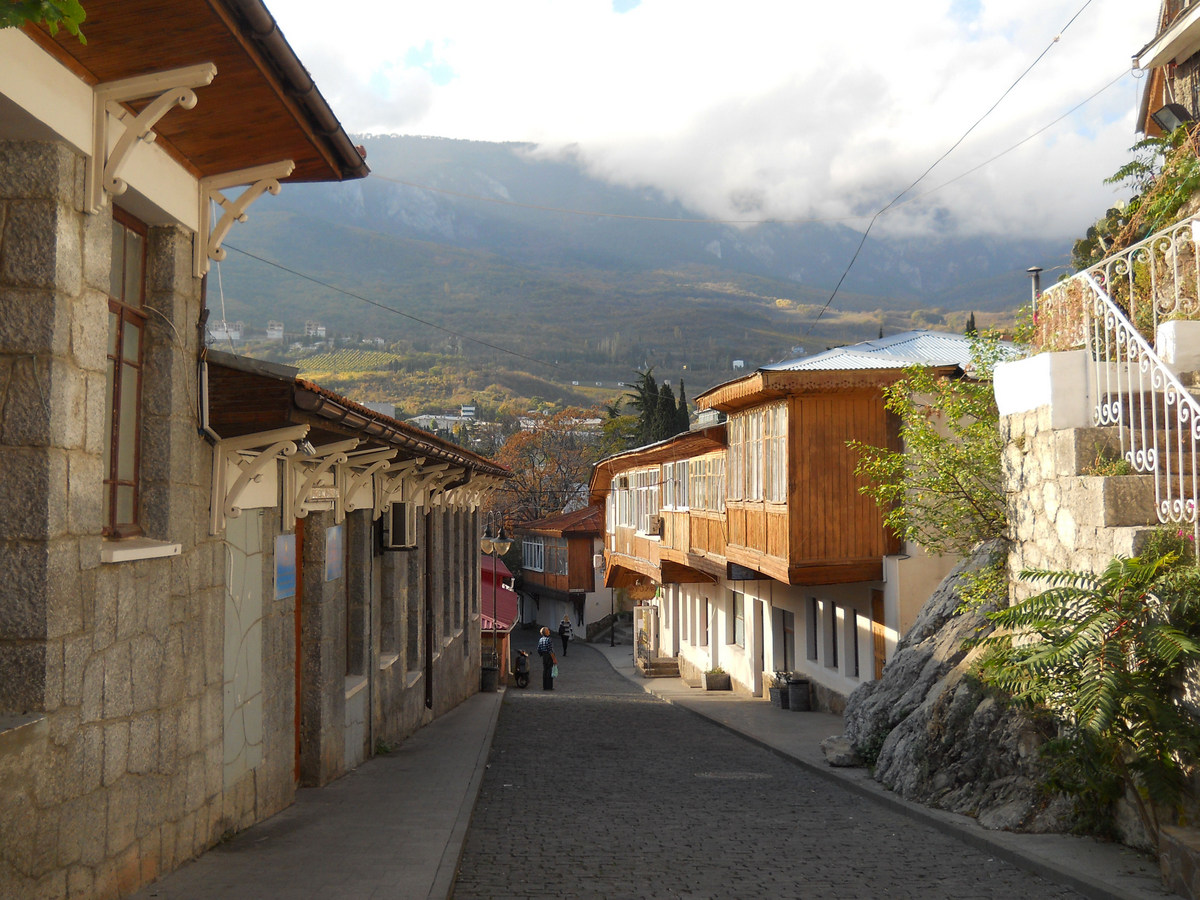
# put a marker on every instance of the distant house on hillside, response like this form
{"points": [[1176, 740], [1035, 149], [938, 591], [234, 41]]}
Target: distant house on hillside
{"points": [[314, 330], [388, 409], [221, 330], [274, 331]]}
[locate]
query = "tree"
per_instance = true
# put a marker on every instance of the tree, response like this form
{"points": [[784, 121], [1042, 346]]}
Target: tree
{"points": [[552, 465], [644, 399], [1105, 655], [52, 13], [684, 420], [943, 489], [666, 415], [971, 330]]}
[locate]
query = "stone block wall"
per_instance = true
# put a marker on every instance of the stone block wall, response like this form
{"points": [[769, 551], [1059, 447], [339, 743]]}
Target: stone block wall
{"points": [[111, 672], [1059, 516]]}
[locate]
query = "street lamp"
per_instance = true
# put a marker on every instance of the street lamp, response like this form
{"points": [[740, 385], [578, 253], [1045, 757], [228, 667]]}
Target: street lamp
{"points": [[494, 545]]}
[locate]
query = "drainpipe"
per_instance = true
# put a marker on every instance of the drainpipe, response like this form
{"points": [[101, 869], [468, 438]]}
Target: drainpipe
{"points": [[429, 609]]}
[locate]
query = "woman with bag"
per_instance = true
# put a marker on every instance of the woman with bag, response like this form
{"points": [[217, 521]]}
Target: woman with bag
{"points": [[545, 649]]}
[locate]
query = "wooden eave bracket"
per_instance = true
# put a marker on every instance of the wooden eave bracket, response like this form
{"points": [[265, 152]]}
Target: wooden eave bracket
{"points": [[359, 471], [239, 452], [259, 180], [307, 470], [391, 482], [171, 88]]}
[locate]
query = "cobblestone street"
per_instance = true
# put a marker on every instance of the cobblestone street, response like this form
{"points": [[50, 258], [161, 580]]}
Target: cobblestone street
{"points": [[601, 790]]}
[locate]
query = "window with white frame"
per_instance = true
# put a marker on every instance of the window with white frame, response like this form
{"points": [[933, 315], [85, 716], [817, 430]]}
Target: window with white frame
{"points": [[737, 619], [623, 502], [555, 561], [758, 454], [676, 490], [775, 453], [707, 483], [533, 554], [645, 498]]}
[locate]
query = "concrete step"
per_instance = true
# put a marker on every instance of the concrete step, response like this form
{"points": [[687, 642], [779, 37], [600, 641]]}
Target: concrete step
{"points": [[663, 667], [1085, 451], [1109, 501]]}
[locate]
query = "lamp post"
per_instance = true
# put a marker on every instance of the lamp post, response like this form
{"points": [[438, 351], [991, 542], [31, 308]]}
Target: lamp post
{"points": [[494, 545]]}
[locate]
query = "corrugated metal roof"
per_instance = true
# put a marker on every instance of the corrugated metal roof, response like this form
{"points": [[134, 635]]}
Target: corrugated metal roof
{"points": [[932, 348]]}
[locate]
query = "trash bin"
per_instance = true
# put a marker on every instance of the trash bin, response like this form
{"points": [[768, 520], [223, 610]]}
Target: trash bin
{"points": [[489, 678], [798, 694]]}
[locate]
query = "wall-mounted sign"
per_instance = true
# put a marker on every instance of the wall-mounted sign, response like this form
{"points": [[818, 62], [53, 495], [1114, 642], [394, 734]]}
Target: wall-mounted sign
{"points": [[335, 552], [285, 566]]}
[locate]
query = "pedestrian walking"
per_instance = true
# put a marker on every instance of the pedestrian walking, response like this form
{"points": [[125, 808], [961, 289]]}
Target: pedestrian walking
{"points": [[545, 649], [564, 632]]}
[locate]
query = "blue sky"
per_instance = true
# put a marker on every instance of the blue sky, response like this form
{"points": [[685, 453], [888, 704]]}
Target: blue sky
{"points": [[762, 108]]}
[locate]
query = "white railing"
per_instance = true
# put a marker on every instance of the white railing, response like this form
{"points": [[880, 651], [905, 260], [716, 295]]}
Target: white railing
{"points": [[1110, 309]]}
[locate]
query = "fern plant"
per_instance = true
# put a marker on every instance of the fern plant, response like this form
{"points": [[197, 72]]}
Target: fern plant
{"points": [[1106, 655]]}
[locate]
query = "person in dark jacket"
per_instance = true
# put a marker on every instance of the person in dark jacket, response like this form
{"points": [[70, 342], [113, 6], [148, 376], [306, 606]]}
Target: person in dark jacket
{"points": [[564, 632], [545, 649]]}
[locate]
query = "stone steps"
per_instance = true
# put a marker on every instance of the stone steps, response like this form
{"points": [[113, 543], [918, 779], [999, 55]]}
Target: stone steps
{"points": [[662, 667]]}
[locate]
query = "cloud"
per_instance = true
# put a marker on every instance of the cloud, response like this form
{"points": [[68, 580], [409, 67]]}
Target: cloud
{"points": [[768, 109]]}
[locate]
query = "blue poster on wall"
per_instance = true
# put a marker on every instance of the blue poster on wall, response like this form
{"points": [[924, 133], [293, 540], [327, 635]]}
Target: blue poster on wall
{"points": [[335, 552], [285, 566]]}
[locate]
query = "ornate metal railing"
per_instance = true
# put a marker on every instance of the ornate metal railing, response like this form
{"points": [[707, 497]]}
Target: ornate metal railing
{"points": [[1113, 310], [1154, 279]]}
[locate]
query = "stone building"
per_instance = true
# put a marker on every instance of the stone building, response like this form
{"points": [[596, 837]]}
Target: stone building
{"points": [[202, 610], [1171, 60]]}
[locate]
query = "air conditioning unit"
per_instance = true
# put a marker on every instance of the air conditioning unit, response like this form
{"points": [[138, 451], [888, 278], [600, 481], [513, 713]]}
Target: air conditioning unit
{"points": [[400, 526]]}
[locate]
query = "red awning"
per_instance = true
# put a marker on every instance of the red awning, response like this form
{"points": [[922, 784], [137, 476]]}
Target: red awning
{"points": [[505, 598]]}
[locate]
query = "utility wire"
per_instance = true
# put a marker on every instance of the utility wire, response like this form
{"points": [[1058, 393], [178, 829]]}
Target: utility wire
{"points": [[934, 164], [386, 308], [894, 204], [1019, 143]]}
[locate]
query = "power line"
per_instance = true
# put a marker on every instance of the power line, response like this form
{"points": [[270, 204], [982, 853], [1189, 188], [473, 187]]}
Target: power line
{"points": [[1019, 143], [935, 163], [386, 308], [895, 203]]}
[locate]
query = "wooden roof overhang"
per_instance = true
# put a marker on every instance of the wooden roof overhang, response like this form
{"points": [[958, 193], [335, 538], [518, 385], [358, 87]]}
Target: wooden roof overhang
{"points": [[586, 522], [767, 385], [683, 446], [261, 106], [622, 571], [247, 396]]}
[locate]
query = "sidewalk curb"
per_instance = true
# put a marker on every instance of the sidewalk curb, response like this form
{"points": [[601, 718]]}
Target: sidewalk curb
{"points": [[1000, 843], [447, 868]]}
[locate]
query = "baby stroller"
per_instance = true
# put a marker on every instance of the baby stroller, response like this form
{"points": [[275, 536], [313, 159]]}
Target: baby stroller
{"points": [[521, 669]]}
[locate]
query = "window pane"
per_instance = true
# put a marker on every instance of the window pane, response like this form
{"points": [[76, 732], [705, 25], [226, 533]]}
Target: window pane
{"points": [[128, 427], [110, 378], [124, 505], [114, 321], [131, 341], [133, 268], [116, 275]]}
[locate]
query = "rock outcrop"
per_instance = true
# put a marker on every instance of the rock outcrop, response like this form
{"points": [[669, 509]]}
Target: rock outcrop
{"points": [[935, 736]]}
